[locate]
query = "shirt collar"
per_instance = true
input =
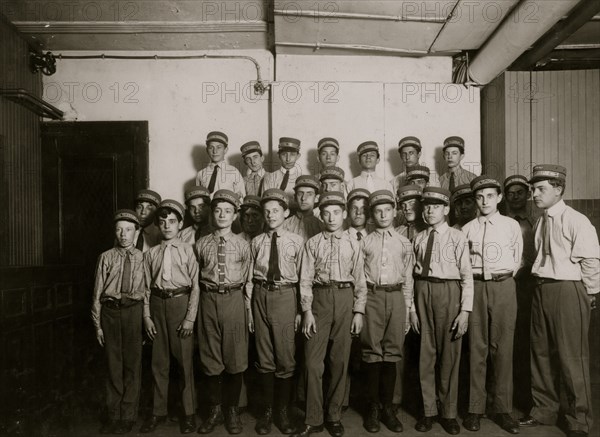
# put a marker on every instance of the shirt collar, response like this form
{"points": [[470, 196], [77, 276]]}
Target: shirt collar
{"points": [[123, 252], [226, 237], [337, 234], [260, 172], [384, 232], [175, 242], [212, 165], [492, 219], [440, 230], [365, 174], [557, 208]]}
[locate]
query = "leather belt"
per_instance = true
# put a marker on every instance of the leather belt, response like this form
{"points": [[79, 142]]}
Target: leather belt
{"points": [[387, 288], [496, 277], [432, 279], [116, 304], [168, 294], [540, 281], [230, 288], [333, 284], [272, 286]]}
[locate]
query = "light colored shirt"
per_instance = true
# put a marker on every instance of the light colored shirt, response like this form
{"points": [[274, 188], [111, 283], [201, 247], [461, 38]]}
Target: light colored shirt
{"points": [[450, 259], [188, 235], [410, 230], [228, 178], [389, 255], [398, 181], [237, 259], [184, 273], [362, 181], [331, 257], [151, 235], [109, 278], [289, 249], [502, 249], [274, 180], [252, 181], [353, 232], [461, 176], [304, 226], [575, 254]]}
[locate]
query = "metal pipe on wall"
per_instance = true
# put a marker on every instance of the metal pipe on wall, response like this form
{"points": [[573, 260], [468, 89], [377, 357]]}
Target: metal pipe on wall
{"points": [[515, 35], [325, 14]]}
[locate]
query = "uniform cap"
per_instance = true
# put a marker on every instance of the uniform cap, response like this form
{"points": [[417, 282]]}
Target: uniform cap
{"points": [[461, 191], [173, 205], [275, 194], [251, 201], [408, 192], [148, 196], [250, 147], [436, 195], [226, 196], [332, 173], [409, 141], [417, 172], [328, 142], [197, 191], [217, 136], [307, 181], [367, 146], [484, 181], [548, 171], [514, 180], [287, 143], [128, 215], [332, 198], [381, 197], [358, 193], [454, 142]]}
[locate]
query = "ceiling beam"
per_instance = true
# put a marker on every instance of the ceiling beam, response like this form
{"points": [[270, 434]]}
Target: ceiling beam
{"points": [[582, 13]]}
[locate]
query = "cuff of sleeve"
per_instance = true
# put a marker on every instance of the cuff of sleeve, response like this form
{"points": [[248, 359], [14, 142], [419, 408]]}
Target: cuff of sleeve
{"points": [[359, 309], [306, 307]]}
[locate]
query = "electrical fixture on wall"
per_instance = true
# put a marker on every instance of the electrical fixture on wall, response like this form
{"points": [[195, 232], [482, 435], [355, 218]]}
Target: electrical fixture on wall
{"points": [[43, 62]]}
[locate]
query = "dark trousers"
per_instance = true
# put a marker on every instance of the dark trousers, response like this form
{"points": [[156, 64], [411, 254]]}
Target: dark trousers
{"points": [[222, 333], [438, 304], [491, 334], [123, 345], [167, 315], [521, 355], [560, 355], [274, 313], [332, 309]]}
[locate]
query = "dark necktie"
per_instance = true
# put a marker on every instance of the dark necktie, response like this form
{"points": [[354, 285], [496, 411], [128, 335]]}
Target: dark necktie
{"points": [[140, 241], [545, 238], [359, 236], [126, 279], [452, 182], [221, 261], [274, 274], [213, 180], [260, 187], [198, 233], [428, 253], [285, 181]]}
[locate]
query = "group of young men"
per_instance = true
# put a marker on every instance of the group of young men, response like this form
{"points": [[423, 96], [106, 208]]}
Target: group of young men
{"points": [[331, 259]]}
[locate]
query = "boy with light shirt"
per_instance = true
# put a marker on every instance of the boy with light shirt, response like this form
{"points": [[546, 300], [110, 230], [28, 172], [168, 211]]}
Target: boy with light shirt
{"points": [[303, 222], [285, 177], [389, 263], [409, 149], [567, 271], [170, 306], [146, 202], [197, 201], [332, 288], [252, 156], [224, 260], [328, 152], [444, 299], [218, 174], [454, 153], [117, 306], [368, 158], [271, 302], [251, 217], [496, 246]]}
